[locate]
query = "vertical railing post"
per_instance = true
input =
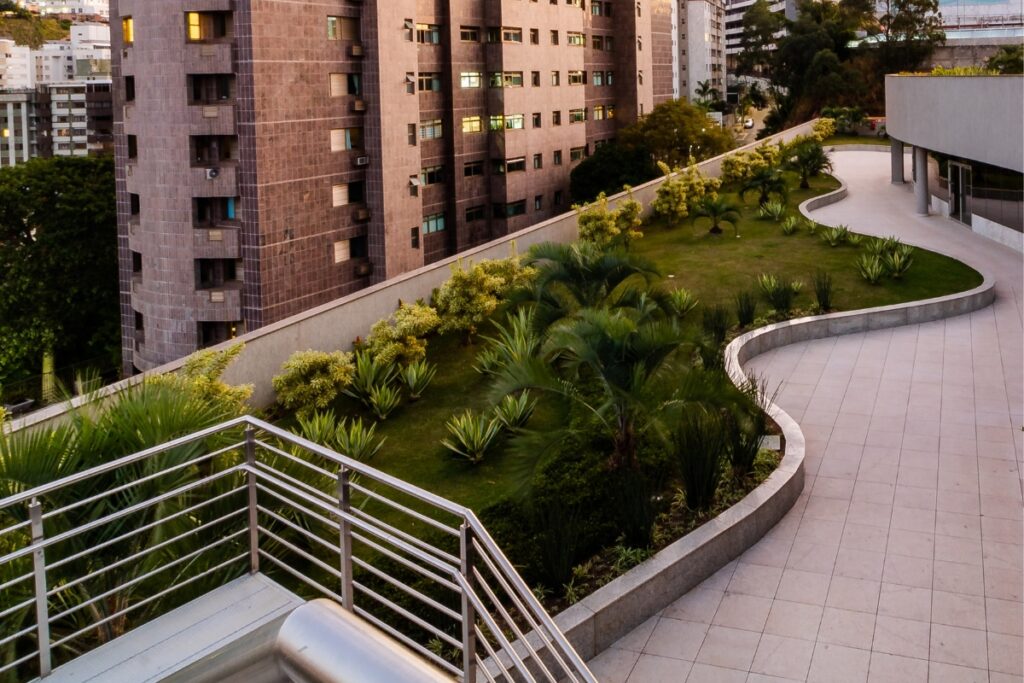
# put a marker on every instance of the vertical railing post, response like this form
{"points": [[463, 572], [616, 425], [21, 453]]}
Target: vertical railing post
{"points": [[468, 612], [35, 515], [254, 532], [345, 504]]}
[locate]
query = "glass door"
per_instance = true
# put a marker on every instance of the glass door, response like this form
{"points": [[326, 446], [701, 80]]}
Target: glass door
{"points": [[960, 188]]}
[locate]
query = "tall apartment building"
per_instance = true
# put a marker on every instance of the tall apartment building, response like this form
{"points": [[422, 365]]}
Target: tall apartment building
{"points": [[734, 11], [702, 31], [76, 8], [24, 125], [274, 156]]}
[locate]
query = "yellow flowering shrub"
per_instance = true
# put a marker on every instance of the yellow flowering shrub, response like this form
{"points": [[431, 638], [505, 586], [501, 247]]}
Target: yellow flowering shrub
{"points": [[401, 337], [312, 380]]}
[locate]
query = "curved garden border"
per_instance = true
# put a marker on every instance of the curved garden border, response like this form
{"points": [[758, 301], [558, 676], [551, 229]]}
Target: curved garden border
{"points": [[599, 620]]}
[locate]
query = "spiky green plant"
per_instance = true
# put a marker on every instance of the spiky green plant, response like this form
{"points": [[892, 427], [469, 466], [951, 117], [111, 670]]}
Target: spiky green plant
{"points": [[778, 293], [358, 441], [854, 239], [898, 261], [417, 377], [515, 410], [772, 211], [369, 374], [746, 308], [871, 268], [810, 225], [471, 436], [835, 236], [384, 398], [822, 282], [698, 445], [683, 302], [790, 225], [716, 322]]}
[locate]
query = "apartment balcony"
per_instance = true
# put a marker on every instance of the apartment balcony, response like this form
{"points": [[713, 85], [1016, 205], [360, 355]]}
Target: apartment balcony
{"points": [[217, 118], [209, 58], [222, 536], [216, 243], [215, 180], [219, 303]]}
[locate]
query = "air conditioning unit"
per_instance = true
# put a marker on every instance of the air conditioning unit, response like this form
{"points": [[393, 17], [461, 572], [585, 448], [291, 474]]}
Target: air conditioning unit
{"points": [[358, 105], [212, 173], [355, 51], [362, 161]]}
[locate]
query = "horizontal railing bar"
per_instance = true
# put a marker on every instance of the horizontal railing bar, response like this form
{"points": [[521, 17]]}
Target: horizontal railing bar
{"points": [[19, 662], [4, 586], [333, 547], [407, 563], [408, 590], [366, 470], [40, 491], [406, 536], [302, 577], [21, 605], [288, 501], [142, 577], [19, 634], [305, 463], [333, 571], [527, 596], [141, 480], [146, 601], [536, 627], [409, 642], [14, 527], [89, 526], [145, 527], [482, 583], [142, 553], [398, 609], [482, 639], [277, 474], [407, 510]]}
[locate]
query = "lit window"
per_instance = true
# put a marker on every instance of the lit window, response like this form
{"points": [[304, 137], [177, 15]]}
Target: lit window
{"points": [[428, 34], [343, 139], [470, 79], [574, 39], [128, 30], [431, 130], [471, 124]]}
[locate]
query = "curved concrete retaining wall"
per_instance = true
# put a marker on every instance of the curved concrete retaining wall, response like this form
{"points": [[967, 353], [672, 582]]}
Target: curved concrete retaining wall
{"points": [[599, 620]]}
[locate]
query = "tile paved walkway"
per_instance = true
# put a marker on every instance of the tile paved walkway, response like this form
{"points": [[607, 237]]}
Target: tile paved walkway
{"points": [[902, 559]]}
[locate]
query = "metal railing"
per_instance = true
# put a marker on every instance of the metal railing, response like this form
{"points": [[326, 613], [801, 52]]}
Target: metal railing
{"points": [[87, 558]]}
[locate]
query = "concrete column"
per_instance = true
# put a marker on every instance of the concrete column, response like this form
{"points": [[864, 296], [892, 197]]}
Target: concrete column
{"points": [[921, 180], [897, 162], [11, 135], [25, 136]]}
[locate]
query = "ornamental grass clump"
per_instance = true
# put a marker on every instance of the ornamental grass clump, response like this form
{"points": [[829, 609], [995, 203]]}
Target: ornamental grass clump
{"points": [[369, 373], [682, 302], [471, 436], [790, 225], [746, 308], [514, 411], [772, 210], [779, 294], [313, 379], [383, 400], [698, 446], [898, 261], [716, 322], [822, 282], [358, 441], [835, 236]]}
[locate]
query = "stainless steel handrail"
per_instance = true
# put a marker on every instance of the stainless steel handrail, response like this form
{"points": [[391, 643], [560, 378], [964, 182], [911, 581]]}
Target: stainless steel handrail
{"points": [[430, 574]]}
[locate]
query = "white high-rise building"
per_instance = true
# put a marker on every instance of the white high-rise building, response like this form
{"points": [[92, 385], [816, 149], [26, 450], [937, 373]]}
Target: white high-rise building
{"points": [[701, 46], [85, 56], [77, 7]]}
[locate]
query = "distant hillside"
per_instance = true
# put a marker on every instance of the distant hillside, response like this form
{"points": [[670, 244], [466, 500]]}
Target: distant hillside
{"points": [[32, 31]]}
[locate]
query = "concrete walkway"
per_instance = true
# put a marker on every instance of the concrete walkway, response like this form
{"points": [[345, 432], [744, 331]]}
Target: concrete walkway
{"points": [[902, 560]]}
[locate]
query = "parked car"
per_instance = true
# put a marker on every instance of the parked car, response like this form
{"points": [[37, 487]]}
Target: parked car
{"points": [[748, 122]]}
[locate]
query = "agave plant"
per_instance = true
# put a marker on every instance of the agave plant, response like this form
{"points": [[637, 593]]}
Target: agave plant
{"points": [[790, 225], [772, 210], [357, 441], [370, 374], [779, 294], [871, 268], [384, 398], [417, 377], [898, 261], [514, 411], [471, 435], [811, 225], [875, 247], [487, 361], [835, 236], [854, 239], [515, 342], [683, 302]]}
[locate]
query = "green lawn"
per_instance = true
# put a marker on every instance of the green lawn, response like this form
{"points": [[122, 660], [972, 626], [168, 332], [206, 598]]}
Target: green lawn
{"points": [[857, 140], [714, 268]]}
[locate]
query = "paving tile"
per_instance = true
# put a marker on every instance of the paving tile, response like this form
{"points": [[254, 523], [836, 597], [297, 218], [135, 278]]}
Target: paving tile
{"points": [[905, 602], [635, 640], [859, 595], [909, 571], [747, 612], [886, 668], [705, 673], [1005, 653], [911, 543], [863, 537], [783, 657], [838, 664], [903, 637], [954, 577], [804, 587], [654, 669], [698, 605], [754, 579], [859, 564], [1004, 616], [613, 665], [675, 638], [793, 620], [958, 609], [960, 646], [846, 627], [808, 556], [729, 647]]}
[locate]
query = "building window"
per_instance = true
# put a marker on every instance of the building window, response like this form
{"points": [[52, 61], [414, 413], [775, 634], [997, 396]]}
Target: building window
{"points": [[129, 88], [577, 154], [342, 252], [538, 202], [469, 34], [343, 85], [342, 28], [201, 26], [577, 115], [599, 112], [473, 168], [609, 78], [554, 37], [410, 131], [558, 197], [344, 194], [598, 78], [557, 157], [432, 175], [431, 130], [515, 165], [470, 79], [430, 82], [128, 31], [506, 79], [556, 78], [534, 36], [535, 78], [515, 208], [577, 78], [511, 34], [575, 39], [556, 118], [414, 237], [471, 124], [538, 161], [133, 147], [476, 213], [433, 223], [343, 139], [537, 120], [428, 34], [514, 121]]}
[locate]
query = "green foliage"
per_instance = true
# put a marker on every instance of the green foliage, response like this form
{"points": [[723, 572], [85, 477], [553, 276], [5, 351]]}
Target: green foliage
{"points": [[610, 228], [681, 191], [717, 210], [514, 411], [515, 342], [471, 435], [774, 211], [201, 376], [312, 380], [611, 167], [811, 226], [844, 119], [835, 236], [351, 438], [1008, 59], [824, 128], [683, 302], [898, 261], [765, 182], [368, 374], [383, 400], [745, 425], [675, 129], [790, 225], [400, 338], [746, 308], [854, 239], [760, 27], [58, 264], [742, 166], [471, 295], [823, 286], [871, 268], [697, 443], [417, 377], [26, 29], [809, 159], [716, 322], [778, 293]]}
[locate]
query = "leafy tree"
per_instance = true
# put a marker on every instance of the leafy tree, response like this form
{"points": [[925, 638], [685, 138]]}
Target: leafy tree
{"points": [[401, 337], [58, 264], [809, 159], [706, 93], [312, 380], [674, 130], [610, 228], [470, 296], [718, 210], [201, 375], [681, 190], [910, 32], [761, 26], [766, 182], [611, 167], [1009, 59]]}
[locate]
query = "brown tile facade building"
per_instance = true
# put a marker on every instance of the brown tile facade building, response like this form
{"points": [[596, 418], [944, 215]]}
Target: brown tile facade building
{"points": [[274, 155]]}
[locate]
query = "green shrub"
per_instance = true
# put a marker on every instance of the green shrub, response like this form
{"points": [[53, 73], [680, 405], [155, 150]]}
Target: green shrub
{"points": [[369, 373], [822, 282], [811, 226], [609, 228], [515, 342], [774, 210], [871, 268], [779, 294], [487, 361], [470, 296], [683, 302], [746, 425], [824, 128], [790, 225], [513, 412], [854, 239], [312, 380], [835, 236], [384, 398], [358, 442], [746, 308], [698, 446], [898, 261], [400, 338], [716, 322], [417, 377], [471, 435], [201, 377]]}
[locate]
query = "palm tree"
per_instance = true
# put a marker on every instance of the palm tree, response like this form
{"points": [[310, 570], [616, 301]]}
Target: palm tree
{"points": [[718, 210], [809, 159], [766, 182], [705, 92]]}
